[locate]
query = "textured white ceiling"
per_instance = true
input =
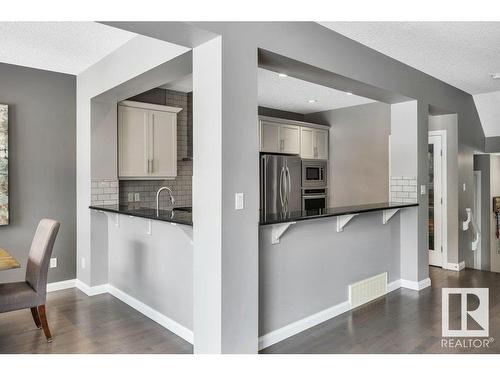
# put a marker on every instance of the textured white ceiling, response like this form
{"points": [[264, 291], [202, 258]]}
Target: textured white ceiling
{"points": [[66, 47], [292, 94], [463, 54]]}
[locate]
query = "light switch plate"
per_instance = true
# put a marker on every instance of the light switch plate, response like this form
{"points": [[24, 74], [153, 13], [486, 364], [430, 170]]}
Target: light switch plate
{"points": [[422, 189], [464, 187], [137, 197], [130, 197], [82, 263], [53, 262], [239, 201]]}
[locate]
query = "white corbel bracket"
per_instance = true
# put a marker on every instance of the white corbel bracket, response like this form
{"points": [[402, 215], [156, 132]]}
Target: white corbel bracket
{"points": [[115, 218], [278, 230], [188, 230], [388, 214], [342, 221]]}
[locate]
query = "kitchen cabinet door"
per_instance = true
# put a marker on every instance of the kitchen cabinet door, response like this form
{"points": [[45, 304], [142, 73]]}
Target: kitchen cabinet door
{"points": [[132, 141], [321, 144], [290, 139], [270, 136], [163, 141], [307, 143]]}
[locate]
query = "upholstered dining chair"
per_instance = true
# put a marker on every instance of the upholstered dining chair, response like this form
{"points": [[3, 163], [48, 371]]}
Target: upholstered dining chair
{"points": [[32, 293]]}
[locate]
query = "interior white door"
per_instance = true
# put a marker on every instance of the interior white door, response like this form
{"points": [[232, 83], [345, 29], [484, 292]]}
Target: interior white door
{"points": [[435, 201], [321, 143], [477, 217], [270, 137], [133, 141], [163, 149], [290, 138]]}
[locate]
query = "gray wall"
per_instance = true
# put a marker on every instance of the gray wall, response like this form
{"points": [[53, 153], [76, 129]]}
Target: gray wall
{"points": [[359, 153], [155, 269], [297, 280], [450, 124], [318, 46], [42, 161], [482, 163]]}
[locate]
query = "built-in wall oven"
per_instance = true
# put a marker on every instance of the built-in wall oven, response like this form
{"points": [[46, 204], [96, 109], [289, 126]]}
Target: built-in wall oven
{"points": [[314, 174], [314, 185], [314, 199]]}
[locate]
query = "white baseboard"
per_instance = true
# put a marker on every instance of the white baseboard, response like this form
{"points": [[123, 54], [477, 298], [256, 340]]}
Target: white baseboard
{"points": [[416, 285], [310, 321], [301, 325], [394, 285], [144, 309], [455, 266], [91, 290], [60, 285], [153, 314]]}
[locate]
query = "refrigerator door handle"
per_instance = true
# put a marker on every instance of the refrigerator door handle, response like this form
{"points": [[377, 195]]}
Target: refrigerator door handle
{"points": [[289, 185], [281, 186], [264, 184]]}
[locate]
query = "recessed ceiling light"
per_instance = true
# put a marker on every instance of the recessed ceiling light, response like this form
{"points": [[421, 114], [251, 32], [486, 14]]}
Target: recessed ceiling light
{"points": [[348, 93], [495, 75], [282, 75], [311, 101]]}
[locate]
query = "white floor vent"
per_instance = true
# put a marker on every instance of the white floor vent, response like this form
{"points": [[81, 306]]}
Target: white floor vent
{"points": [[367, 290]]}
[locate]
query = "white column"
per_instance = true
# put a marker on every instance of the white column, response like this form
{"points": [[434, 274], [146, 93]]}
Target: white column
{"points": [[225, 151]]}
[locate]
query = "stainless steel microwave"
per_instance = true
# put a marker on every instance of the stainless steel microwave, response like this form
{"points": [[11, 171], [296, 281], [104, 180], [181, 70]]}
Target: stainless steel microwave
{"points": [[314, 173]]}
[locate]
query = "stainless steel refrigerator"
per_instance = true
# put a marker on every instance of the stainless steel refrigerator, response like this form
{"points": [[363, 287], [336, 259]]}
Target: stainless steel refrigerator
{"points": [[280, 180]]}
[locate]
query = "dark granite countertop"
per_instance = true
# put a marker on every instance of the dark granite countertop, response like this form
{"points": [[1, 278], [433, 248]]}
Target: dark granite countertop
{"points": [[179, 215], [328, 212]]}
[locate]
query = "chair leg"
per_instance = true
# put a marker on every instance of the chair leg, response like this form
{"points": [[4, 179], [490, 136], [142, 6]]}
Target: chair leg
{"points": [[45, 325], [36, 318]]}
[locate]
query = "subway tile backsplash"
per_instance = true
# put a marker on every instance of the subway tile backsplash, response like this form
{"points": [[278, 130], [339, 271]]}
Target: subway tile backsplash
{"points": [[104, 191], [182, 185], [181, 188], [403, 189]]}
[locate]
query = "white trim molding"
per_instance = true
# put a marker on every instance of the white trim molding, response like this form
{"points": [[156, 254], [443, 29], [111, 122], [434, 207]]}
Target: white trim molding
{"points": [[455, 266], [416, 285], [310, 321], [91, 290], [153, 314], [301, 325], [61, 285]]}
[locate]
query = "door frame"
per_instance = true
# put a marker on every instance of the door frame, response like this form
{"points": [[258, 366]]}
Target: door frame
{"points": [[444, 194], [477, 216]]}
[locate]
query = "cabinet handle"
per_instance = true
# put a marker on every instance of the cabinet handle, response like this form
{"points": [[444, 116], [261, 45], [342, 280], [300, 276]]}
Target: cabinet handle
{"points": [[282, 144], [315, 151]]}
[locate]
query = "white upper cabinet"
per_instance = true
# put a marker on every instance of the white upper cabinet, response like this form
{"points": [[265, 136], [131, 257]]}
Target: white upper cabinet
{"points": [[290, 137], [321, 142], [313, 143], [310, 141], [147, 140], [132, 141], [163, 129], [307, 143], [278, 137], [270, 136]]}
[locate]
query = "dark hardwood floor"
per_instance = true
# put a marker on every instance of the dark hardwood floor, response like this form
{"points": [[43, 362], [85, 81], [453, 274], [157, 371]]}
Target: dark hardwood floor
{"points": [[82, 324], [403, 321]]}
